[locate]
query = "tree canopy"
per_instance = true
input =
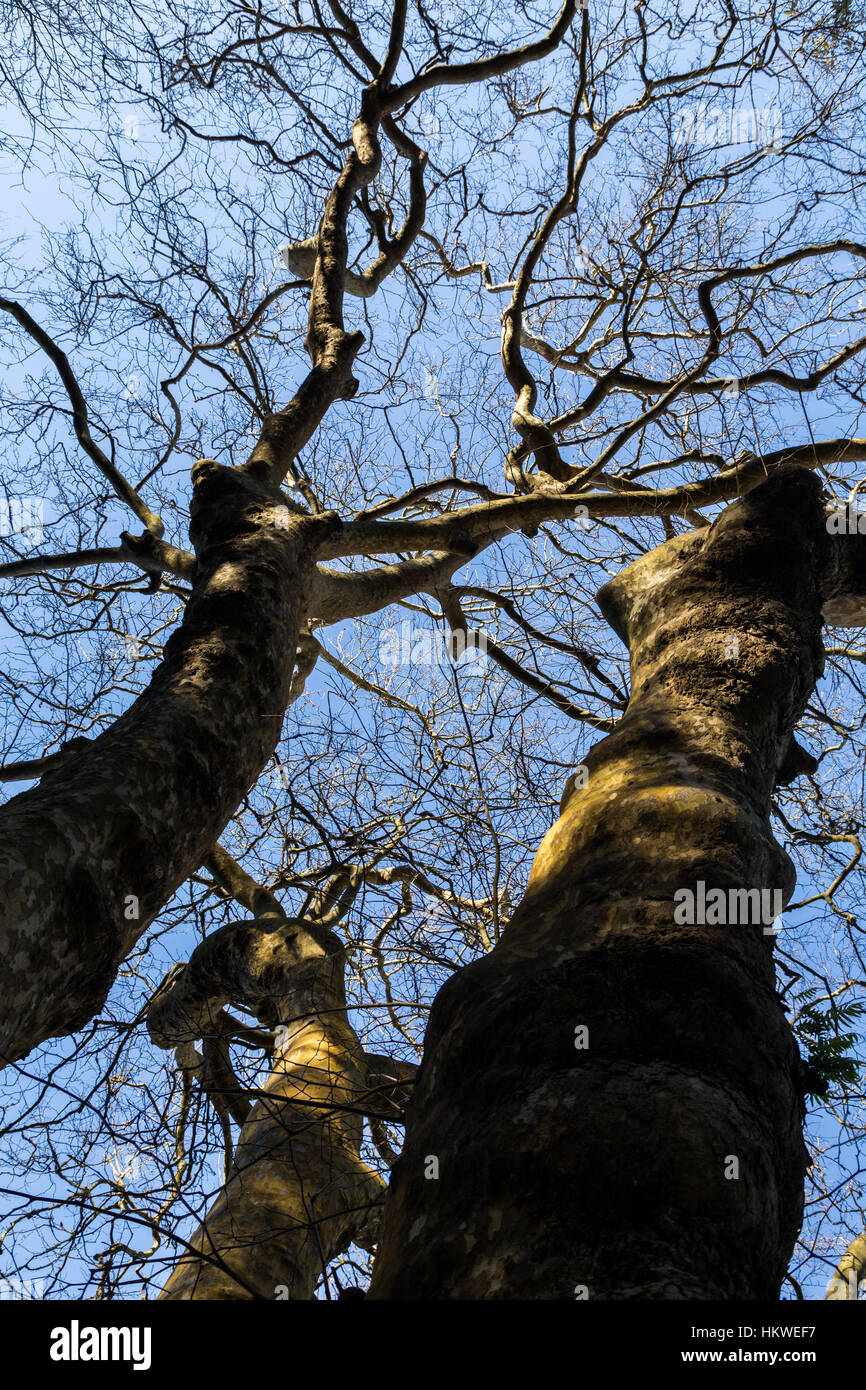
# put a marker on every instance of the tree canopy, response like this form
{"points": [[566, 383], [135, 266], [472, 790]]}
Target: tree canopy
{"points": [[494, 300]]}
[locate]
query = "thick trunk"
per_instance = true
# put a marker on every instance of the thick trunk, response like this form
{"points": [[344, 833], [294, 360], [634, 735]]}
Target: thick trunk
{"points": [[89, 856], [659, 1155]]}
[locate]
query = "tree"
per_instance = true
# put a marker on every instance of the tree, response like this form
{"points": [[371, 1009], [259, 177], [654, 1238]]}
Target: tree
{"points": [[633, 989], [609, 167]]}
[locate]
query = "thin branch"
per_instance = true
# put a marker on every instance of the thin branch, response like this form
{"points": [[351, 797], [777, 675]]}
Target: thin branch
{"points": [[80, 418]]}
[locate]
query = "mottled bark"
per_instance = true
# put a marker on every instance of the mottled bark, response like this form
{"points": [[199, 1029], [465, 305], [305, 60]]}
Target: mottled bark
{"points": [[89, 856], [664, 1158], [298, 1193]]}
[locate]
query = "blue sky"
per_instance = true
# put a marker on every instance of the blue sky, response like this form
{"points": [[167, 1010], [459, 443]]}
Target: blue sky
{"points": [[412, 438]]}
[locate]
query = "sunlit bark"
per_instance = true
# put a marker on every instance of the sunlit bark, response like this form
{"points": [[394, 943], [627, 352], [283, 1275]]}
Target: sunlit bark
{"points": [[659, 1155], [298, 1193]]}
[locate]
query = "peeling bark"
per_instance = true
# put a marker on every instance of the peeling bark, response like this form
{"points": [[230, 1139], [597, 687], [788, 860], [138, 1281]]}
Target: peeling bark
{"points": [[607, 1170], [90, 856]]}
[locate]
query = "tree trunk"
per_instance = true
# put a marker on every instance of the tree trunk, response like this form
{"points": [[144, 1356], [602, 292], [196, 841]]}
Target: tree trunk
{"points": [[658, 1154], [89, 856], [851, 1269], [298, 1193]]}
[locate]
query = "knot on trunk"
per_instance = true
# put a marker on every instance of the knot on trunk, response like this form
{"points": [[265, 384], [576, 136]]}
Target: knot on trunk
{"points": [[254, 964]]}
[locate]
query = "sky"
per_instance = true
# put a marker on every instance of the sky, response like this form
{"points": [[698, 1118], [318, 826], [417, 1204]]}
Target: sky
{"points": [[51, 194]]}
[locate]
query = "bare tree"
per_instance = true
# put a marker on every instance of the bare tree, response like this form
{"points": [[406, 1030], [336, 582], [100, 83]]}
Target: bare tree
{"points": [[651, 211]]}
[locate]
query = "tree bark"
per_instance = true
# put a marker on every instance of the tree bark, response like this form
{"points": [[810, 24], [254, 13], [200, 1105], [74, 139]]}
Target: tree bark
{"points": [[851, 1269], [298, 1194], [90, 856], [664, 1158]]}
